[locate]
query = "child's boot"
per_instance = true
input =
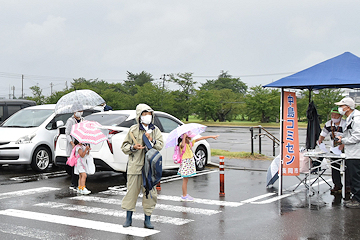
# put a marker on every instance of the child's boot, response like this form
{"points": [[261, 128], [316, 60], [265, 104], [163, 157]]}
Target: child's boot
{"points": [[128, 220], [147, 223]]}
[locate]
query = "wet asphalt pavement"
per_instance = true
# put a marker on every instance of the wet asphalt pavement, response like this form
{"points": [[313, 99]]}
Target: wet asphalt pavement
{"points": [[42, 207]]}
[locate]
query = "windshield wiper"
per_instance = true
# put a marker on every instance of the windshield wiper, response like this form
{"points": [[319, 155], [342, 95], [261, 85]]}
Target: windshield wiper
{"points": [[14, 126]]}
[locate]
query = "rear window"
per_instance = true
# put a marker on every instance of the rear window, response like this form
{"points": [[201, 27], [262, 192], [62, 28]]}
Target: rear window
{"points": [[108, 119], [13, 109]]}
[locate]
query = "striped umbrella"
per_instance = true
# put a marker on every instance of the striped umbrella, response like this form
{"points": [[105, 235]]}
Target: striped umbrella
{"points": [[88, 132]]}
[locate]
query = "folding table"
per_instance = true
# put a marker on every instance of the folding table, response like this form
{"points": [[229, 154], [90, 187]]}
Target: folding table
{"points": [[315, 157]]}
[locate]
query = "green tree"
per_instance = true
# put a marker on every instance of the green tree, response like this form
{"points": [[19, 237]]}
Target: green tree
{"points": [[263, 104], [136, 79], [219, 105], [324, 101], [155, 96], [225, 81], [37, 95], [205, 104], [53, 98], [183, 96]]}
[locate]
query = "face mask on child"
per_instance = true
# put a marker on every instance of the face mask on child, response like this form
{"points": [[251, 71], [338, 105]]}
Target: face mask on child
{"points": [[146, 119]]}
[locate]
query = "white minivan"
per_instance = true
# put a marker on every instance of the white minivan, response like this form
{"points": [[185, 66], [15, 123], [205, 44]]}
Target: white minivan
{"points": [[27, 137]]}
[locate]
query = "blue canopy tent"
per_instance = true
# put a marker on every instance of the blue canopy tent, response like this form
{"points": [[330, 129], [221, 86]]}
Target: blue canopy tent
{"points": [[342, 71]]}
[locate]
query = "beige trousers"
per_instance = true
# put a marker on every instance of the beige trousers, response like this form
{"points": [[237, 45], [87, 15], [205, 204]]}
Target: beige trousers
{"points": [[134, 184]]}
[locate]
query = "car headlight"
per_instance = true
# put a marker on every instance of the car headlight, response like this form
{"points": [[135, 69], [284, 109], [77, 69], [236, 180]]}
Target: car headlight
{"points": [[25, 139]]}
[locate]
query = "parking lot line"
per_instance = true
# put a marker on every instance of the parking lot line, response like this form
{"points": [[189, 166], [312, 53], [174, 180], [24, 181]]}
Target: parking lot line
{"points": [[79, 222], [27, 192], [258, 197], [113, 212]]}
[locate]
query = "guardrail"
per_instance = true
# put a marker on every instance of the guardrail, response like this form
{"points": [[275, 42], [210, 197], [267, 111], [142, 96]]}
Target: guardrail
{"points": [[275, 141]]}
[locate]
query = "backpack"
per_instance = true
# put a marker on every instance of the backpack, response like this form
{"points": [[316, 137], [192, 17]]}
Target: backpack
{"points": [[72, 160], [177, 157], [152, 170]]}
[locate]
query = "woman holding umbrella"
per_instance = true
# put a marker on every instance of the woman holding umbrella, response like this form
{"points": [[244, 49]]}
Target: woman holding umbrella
{"points": [[75, 102], [74, 119]]}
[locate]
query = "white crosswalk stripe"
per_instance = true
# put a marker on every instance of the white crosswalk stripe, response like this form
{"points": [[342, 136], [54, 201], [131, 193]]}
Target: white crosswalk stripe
{"points": [[76, 222], [158, 205], [37, 233], [27, 192], [178, 199], [113, 212]]}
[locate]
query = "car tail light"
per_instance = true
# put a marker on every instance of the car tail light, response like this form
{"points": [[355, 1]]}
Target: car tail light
{"points": [[110, 146], [55, 141], [109, 142]]}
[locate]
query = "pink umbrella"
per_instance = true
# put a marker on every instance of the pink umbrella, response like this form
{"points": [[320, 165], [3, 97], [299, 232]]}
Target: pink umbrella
{"points": [[191, 128], [88, 132]]}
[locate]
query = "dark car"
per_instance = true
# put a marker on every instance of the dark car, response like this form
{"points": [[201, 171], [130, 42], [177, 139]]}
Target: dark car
{"points": [[10, 106]]}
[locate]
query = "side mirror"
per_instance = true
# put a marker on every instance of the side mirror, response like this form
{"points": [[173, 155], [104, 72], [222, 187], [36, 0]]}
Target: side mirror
{"points": [[59, 124]]}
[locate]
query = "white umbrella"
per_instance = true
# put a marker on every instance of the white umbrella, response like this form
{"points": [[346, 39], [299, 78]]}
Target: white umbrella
{"points": [[78, 100], [272, 172]]}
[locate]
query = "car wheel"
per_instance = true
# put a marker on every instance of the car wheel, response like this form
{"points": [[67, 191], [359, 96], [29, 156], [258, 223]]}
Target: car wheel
{"points": [[200, 158], [41, 159], [125, 176]]}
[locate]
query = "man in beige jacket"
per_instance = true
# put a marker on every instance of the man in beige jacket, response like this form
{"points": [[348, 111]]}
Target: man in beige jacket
{"points": [[136, 151]]}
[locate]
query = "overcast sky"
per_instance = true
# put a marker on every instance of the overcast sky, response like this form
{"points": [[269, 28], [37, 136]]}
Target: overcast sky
{"points": [[258, 41]]}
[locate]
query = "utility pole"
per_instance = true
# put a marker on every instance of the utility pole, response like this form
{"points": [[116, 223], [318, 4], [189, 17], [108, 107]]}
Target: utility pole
{"points": [[163, 87], [13, 89], [22, 86], [51, 85], [164, 79]]}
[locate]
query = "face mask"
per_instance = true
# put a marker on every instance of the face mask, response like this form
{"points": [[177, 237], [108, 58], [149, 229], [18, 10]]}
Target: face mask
{"points": [[335, 120], [146, 119], [341, 111], [78, 114]]}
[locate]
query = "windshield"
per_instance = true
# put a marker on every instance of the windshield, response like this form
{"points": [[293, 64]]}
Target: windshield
{"points": [[108, 119], [28, 118]]}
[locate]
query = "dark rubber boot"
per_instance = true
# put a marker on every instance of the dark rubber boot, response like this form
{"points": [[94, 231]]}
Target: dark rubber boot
{"points": [[128, 219], [147, 223]]}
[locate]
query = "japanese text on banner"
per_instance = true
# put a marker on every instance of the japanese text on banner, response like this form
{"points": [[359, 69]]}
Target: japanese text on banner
{"points": [[290, 136]]}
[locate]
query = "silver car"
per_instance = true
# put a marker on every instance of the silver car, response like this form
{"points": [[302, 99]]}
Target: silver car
{"points": [[27, 137]]}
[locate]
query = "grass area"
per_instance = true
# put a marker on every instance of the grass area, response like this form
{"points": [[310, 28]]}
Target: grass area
{"points": [[240, 155], [193, 119]]}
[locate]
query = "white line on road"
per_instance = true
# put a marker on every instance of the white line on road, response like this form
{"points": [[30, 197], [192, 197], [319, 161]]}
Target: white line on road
{"points": [[40, 176], [158, 205], [38, 233], [77, 222], [27, 192], [113, 212], [250, 200], [285, 195], [178, 199]]}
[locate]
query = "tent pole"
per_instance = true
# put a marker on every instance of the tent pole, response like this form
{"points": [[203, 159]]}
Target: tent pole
{"points": [[281, 142]]}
